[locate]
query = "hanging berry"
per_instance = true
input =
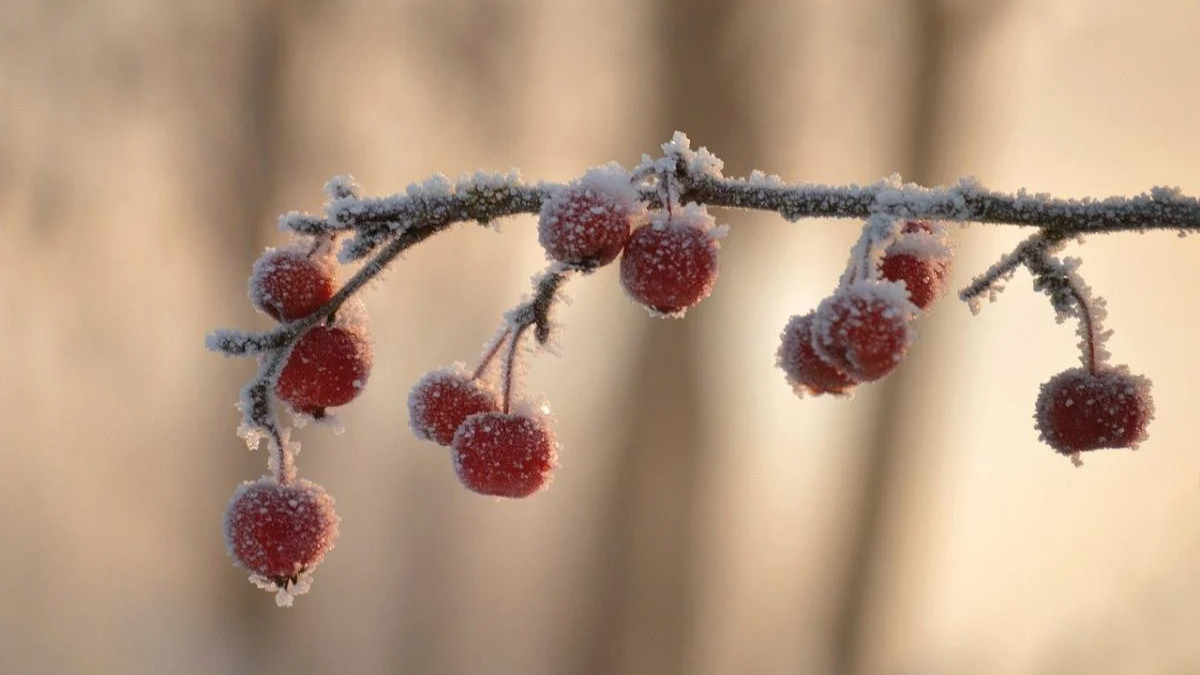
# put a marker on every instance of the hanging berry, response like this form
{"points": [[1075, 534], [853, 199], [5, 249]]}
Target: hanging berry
{"points": [[670, 264]]}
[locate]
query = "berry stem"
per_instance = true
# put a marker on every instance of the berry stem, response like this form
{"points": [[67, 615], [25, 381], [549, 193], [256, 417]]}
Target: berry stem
{"points": [[280, 459], [490, 351], [533, 312], [508, 372], [667, 194], [879, 227], [1087, 327], [1068, 293]]}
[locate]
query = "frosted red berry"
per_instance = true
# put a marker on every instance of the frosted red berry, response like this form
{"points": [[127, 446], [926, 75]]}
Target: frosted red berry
{"points": [[287, 285], [924, 278], [863, 330], [505, 454], [670, 264], [1078, 410], [920, 257], [327, 367], [588, 223], [443, 398], [805, 370], [279, 532]]}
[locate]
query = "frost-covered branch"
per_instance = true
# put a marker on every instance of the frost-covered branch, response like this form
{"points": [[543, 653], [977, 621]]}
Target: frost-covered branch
{"points": [[387, 226], [966, 201], [653, 218], [437, 203]]}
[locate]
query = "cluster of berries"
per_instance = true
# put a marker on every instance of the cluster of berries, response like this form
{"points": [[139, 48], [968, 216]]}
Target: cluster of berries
{"points": [[668, 264], [279, 527], [862, 332], [668, 257], [329, 365], [498, 449], [502, 444]]}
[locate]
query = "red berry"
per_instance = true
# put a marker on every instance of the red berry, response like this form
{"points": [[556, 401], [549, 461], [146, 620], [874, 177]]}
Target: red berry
{"points": [[328, 367], [1078, 410], [670, 264], [864, 329], [805, 370], [279, 532], [587, 223], [505, 454], [443, 398], [924, 278], [288, 285], [920, 258]]}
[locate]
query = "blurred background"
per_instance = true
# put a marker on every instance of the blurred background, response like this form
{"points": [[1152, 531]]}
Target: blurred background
{"points": [[704, 520]]}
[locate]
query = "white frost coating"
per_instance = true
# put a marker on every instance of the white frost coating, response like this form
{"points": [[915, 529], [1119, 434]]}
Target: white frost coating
{"points": [[437, 185], [432, 201], [253, 435], [878, 231], [342, 187], [759, 179], [221, 339], [698, 162], [484, 181], [289, 451], [613, 180], [1072, 298], [695, 215], [285, 595], [993, 280], [934, 245], [353, 316]]}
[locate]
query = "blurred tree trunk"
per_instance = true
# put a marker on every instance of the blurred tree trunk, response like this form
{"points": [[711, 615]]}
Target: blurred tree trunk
{"points": [[637, 608], [475, 45], [937, 34], [242, 173]]}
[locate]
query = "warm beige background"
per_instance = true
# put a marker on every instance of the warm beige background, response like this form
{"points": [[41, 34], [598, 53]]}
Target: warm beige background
{"points": [[704, 521]]}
